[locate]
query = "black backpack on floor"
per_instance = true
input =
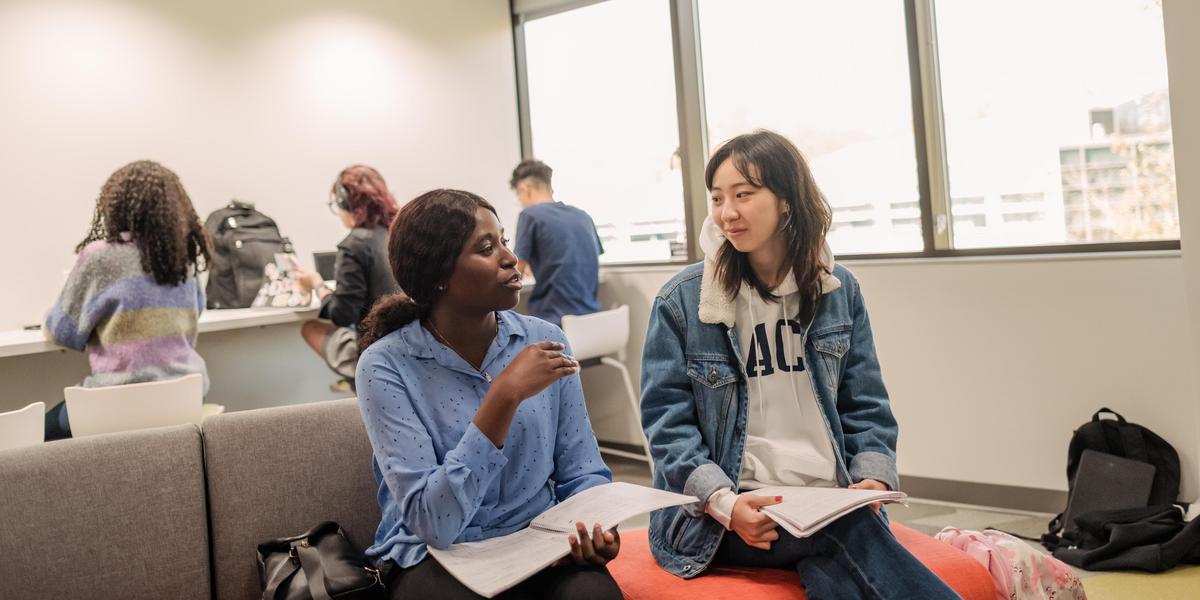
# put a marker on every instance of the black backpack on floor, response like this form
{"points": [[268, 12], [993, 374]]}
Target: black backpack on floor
{"points": [[1152, 538], [1127, 440], [243, 242]]}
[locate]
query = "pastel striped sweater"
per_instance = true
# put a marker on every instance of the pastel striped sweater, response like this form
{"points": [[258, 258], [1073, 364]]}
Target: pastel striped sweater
{"points": [[133, 329]]}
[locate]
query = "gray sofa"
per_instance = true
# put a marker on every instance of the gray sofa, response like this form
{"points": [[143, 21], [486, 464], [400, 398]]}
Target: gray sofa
{"points": [[177, 512]]}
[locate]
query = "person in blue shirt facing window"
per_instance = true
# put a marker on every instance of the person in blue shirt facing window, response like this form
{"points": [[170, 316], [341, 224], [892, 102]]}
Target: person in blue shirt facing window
{"points": [[475, 413], [558, 244]]}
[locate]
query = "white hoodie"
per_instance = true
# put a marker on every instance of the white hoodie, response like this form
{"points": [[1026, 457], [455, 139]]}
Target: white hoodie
{"points": [[787, 442]]}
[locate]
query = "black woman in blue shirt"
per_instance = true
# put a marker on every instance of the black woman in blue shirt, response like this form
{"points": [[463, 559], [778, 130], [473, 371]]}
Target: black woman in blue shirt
{"points": [[475, 413]]}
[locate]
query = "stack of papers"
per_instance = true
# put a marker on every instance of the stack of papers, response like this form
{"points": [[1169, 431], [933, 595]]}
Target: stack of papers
{"points": [[491, 566]]}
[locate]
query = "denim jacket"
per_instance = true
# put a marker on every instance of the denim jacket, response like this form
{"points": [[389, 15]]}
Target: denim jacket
{"points": [[694, 403]]}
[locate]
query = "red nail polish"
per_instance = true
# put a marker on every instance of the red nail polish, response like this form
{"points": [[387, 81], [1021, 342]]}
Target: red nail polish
{"points": [[779, 498]]}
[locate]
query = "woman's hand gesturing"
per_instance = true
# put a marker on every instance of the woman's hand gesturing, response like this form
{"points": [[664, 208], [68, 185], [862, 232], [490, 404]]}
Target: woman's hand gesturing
{"points": [[533, 370]]}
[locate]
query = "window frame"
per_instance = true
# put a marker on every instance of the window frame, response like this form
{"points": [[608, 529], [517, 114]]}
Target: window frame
{"points": [[928, 128]]}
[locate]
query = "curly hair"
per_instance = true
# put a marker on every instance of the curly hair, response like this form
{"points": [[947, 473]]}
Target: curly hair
{"points": [[423, 247], [147, 200], [371, 204]]}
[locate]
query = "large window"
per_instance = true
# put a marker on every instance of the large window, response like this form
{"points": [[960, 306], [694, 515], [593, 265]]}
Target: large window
{"points": [[834, 78], [602, 115], [934, 127], [1057, 125]]}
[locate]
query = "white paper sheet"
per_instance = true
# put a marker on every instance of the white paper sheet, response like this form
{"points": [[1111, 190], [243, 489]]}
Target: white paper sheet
{"points": [[491, 566], [608, 505]]}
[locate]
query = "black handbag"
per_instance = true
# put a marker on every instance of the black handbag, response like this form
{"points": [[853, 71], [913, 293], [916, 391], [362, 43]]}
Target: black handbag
{"points": [[319, 564]]}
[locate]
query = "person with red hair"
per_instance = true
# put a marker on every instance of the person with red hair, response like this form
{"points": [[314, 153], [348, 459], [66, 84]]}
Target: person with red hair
{"points": [[361, 200]]}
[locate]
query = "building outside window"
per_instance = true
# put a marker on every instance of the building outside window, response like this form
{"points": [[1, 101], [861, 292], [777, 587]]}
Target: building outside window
{"points": [[1045, 124]]}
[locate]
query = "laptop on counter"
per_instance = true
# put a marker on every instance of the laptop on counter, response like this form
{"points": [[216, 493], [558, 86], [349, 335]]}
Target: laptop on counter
{"points": [[324, 262]]}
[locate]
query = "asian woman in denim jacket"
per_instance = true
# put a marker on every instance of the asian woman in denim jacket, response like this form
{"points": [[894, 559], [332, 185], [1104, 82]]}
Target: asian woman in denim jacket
{"points": [[759, 369]]}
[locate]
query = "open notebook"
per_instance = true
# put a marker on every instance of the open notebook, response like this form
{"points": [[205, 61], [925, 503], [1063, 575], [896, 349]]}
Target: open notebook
{"points": [[805, 510], [491, 566]]}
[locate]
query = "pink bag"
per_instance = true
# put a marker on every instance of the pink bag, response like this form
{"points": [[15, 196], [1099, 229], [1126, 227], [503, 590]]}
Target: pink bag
{"points": [[1018, 570]]}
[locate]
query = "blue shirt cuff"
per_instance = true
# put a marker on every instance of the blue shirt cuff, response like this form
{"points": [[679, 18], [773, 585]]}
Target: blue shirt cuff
{"points": [[479, 455]]}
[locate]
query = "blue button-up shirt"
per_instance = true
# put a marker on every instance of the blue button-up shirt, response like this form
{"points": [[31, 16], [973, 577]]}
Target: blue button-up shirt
{"points": [[441, 480]]}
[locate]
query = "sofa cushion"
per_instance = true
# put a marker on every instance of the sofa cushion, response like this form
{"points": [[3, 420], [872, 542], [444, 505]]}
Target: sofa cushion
{"points": [[107, 516], [276, 472], [641, 578]]}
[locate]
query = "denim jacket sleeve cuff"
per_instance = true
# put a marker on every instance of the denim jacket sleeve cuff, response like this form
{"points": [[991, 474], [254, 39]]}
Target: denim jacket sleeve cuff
{"points": [[720, 506], [874, 465], [706, 479]]}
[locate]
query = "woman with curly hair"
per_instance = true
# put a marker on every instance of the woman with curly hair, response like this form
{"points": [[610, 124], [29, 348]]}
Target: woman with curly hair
{"points": [[361, 201], [132, 300]]}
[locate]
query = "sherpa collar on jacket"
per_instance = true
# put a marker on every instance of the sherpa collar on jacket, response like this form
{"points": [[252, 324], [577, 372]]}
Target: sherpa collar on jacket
{"points": [[715, 305]]}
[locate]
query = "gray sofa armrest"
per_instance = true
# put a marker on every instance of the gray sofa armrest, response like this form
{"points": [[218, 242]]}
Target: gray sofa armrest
{"points": [[105, 516]]}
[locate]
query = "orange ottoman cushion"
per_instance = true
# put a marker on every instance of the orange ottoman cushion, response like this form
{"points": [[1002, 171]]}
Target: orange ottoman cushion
{"points": [[642, 579]]}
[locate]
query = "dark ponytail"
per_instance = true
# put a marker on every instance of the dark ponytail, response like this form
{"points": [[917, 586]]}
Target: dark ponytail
{"points": [[389, 313], [424, 242]]}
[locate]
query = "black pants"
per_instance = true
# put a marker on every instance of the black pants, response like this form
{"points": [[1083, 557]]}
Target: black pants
{"points": [[428, 579]]}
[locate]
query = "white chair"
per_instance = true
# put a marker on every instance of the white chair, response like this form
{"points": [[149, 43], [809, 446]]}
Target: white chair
{"points": [[596, 338], [137, 405], [25, 427]]}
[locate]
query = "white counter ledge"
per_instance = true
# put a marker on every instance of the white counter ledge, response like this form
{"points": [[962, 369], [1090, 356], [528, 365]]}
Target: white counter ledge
{"points": [[22, 342]]}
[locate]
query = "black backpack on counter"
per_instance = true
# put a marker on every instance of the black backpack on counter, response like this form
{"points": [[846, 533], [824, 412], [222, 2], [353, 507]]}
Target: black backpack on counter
{"points": [[243, 242]]}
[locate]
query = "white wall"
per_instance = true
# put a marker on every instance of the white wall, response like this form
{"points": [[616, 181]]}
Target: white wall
{"points": [[264, 101], [992, 363], [1182, 17]]}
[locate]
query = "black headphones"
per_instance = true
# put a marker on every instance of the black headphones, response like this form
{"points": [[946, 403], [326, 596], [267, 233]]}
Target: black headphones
{"points": [[341, 196]]}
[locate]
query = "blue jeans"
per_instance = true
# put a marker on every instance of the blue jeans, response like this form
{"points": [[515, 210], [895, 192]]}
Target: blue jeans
{"points": [[58, 427], [854, 557]]}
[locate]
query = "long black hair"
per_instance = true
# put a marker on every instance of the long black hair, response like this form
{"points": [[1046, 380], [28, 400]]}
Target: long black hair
{"points": [[424, 242], [768, 160], [148, 201]]}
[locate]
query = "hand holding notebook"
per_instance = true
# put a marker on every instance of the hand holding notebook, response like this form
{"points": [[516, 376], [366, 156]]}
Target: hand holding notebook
{"points": [[488, 567], [805, 510]]}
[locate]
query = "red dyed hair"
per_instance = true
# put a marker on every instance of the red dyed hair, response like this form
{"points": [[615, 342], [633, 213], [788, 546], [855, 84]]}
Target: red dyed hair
{"points": [[371, 204]]}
